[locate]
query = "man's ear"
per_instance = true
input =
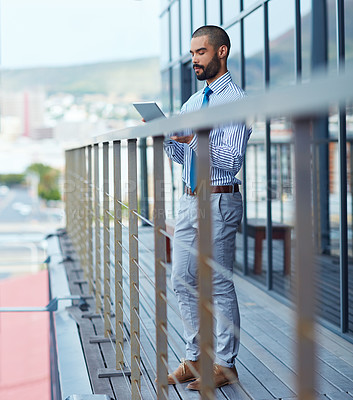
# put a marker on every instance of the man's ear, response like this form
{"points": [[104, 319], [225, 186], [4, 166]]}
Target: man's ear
{"points": [[223, 51]]}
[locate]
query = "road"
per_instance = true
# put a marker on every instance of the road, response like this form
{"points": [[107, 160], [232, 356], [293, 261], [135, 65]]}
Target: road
{"points": [[24, 223]]}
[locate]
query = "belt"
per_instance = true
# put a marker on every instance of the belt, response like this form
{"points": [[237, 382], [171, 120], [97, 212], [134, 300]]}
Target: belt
{"points": [[216, 189]]}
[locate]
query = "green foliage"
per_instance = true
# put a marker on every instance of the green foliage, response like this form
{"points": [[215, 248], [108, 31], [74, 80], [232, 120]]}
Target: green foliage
{"points": [[12, 179], [48, 188]]}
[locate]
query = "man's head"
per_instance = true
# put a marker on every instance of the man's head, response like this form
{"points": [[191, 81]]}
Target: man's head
{"points": [[210, 47]]}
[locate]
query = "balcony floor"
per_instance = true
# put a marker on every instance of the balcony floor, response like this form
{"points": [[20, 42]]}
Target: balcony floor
{"points": [[327, 273], [266, 361]]}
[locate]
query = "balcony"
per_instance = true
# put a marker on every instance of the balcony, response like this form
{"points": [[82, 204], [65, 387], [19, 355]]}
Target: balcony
{"points": [[115, 260]]}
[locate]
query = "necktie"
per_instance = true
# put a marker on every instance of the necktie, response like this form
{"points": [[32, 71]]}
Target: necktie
{"points": [[193, 175]]}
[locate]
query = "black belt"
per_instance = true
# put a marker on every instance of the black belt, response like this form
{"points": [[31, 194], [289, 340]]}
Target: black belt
{"points": [[216, 189]]}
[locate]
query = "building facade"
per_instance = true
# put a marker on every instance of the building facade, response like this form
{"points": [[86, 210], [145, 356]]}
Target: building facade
{"points": [[276, 43]]}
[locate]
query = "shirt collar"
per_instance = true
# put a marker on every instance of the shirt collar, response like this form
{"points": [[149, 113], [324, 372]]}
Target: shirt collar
{"points": [[220, 83]]}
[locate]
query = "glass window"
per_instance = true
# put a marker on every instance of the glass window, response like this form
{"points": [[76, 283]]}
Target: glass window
{"points": [[331, 36], [348, 18], [248, 3], [164, 4], [198, 14], [174, 11], [254, 50], [234, 57], [186, 24], [176, 84], [165, 94], [281, 36], [213, 15], [165, 53], [230, 8], [305, 9], [256, 171]]}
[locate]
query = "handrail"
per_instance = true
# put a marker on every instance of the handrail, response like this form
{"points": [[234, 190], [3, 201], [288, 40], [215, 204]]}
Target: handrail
{"points": [[89, 205], [301, 100]]}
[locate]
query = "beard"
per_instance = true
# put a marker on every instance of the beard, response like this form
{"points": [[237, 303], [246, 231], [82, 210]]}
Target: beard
{"points": [[211, 69]]}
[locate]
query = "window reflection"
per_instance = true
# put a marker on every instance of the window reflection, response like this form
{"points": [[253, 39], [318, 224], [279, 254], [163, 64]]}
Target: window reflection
{"points": [[234, 58], [331, 36], [198, 14], [248, 3], [213, 12], [186, 26], [176, 89], [254, 49], [165, 54], [305, 7], [174, 10], [281, 36], [165, 93], [230, 8], [349, 32]]}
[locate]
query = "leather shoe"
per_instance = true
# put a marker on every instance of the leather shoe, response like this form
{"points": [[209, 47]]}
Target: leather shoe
{"points": [[184, 373], [222, 376]]}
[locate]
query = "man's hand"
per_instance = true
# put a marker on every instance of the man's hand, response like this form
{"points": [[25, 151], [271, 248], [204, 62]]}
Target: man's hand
{"points": [[183, 139]]}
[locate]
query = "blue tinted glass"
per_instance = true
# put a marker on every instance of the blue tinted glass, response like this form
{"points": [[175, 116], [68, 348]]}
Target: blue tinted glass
{"points": [[176, 89], [165, 93], [198, 14], [186, 26], [253, 50], [348, 9], [230, 8], [213, 14], [248, 3], [305, 9], [234, 57], [331, 36], [281, 36], [174, 10], [165, 53]]}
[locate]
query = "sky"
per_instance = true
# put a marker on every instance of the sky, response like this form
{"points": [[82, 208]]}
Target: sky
{"points": [[68, 32]]}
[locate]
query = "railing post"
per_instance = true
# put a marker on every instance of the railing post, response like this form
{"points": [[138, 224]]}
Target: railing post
{"points": [[77, 203], [118, 241], [89, 219], [81, 210], [97, 229], [84, 199], [305, 288], [160, 272], [134, 272], [67, 194], [106, 239], [204, 268]]}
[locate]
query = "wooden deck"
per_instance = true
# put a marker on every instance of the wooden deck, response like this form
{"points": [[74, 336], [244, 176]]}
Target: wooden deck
{"points": [[327, 279], [266, 361]]}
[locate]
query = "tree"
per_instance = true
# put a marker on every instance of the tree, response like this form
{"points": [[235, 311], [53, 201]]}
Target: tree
{"points": [[48, 187]]}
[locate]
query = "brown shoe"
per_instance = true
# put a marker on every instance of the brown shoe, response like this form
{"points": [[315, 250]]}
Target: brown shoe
{"points": [[186, 372], [222, 376]]}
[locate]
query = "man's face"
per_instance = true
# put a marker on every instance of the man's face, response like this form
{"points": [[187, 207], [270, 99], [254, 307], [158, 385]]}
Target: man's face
{"points": [[205, 59]]}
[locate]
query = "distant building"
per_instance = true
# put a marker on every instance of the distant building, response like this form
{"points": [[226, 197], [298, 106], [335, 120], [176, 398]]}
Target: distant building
{"points": [[22, 113]]}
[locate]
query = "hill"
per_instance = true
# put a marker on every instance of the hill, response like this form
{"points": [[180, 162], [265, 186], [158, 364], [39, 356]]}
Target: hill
{"points": [[140, 77]]}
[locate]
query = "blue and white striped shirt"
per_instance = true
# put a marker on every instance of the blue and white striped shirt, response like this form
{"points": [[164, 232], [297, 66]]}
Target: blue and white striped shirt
{"points": [[227, 144]]}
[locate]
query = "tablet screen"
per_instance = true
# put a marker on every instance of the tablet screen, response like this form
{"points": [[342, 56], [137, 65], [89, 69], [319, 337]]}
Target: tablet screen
{"points": [[149, 110]]}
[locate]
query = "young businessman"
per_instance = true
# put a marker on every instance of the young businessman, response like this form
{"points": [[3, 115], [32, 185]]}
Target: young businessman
{"points": [[209, 49]]}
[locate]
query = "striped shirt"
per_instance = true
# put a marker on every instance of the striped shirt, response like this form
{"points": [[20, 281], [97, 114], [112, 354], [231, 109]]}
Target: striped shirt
{"points": [[227, 143]]}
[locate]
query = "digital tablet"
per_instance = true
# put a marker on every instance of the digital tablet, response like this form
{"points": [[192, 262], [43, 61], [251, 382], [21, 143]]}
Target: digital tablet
{"points": [[149, 110]]}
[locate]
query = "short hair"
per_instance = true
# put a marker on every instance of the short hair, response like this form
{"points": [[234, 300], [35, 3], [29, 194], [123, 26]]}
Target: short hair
{"points": [[217, 36]]}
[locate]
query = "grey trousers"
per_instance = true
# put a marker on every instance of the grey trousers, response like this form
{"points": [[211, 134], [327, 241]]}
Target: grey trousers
{"points": [[227, 210]]}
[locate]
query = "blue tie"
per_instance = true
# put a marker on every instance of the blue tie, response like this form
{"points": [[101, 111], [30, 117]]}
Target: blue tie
{"points": [[193, 175]]}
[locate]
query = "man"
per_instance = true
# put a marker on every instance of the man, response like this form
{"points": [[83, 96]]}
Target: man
{"points": [[210, 47]]}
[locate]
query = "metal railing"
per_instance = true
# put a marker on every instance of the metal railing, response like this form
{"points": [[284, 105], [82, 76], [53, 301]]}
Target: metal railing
{"points": [[95, 208]]}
